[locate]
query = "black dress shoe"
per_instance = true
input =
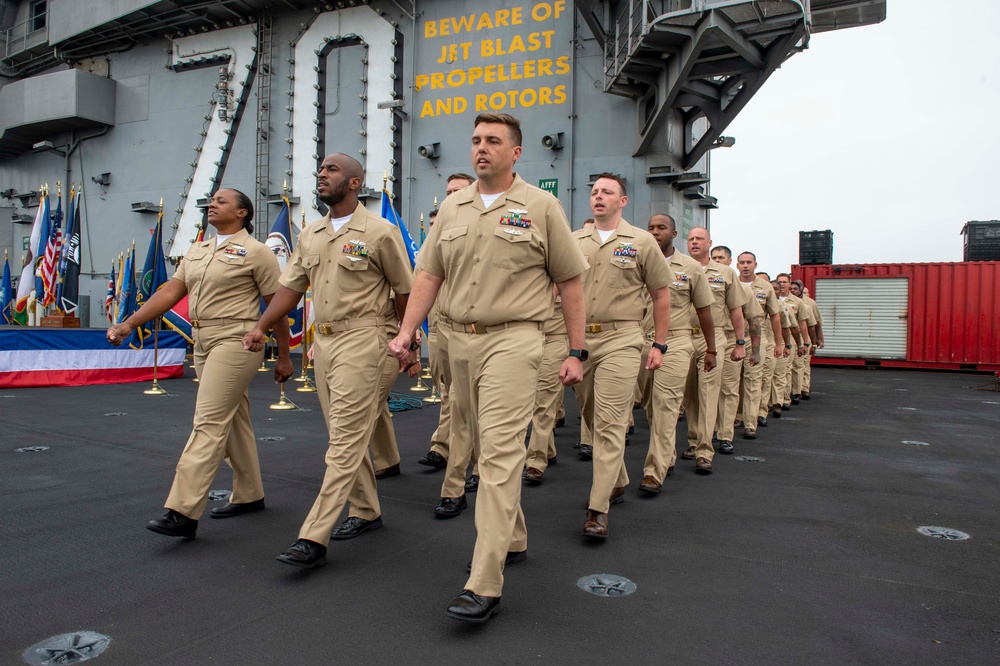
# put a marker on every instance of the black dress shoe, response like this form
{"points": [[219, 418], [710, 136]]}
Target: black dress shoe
{"points": [[586, 452], [449, 507], [761, 422], [553, 461], [304, 554], [511, 558], [795, 399], [231, 509], [725, 446], [391, 470], [786, 406], [470, 607], [174, 524], [472, 484], [434, 459], [353, 527], [560, 422], [806, 396]]}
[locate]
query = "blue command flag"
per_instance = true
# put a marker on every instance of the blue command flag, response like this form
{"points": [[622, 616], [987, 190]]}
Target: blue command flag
{"points": [[154, 274], [280, 242], [389, 213], [6, 294]]}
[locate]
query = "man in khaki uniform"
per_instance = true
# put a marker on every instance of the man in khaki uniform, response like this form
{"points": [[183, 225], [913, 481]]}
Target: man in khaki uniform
{"points": [[789, 331], [757, 379], [437, 358], [818, 342], [623, 262], [801, 364], [732, 371], [701, 395], [548, 395], [799, 315], [352, 259], [497, 247], [663, 389]]}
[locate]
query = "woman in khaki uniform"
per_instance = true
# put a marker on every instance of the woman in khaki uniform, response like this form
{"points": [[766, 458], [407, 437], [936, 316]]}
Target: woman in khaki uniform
{"points": [[225, 277]]}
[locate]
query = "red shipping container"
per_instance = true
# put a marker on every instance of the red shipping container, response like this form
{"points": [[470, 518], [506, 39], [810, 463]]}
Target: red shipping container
{"points": [[952, 316]]}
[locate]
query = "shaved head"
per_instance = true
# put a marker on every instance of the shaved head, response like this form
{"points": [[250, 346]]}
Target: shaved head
{"points": [[350, 165]]}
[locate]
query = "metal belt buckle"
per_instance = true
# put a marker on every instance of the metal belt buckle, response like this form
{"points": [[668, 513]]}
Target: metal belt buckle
{"points": [[325, 329], [195, 323], [475, 331], [695, 331], [594, 328]]}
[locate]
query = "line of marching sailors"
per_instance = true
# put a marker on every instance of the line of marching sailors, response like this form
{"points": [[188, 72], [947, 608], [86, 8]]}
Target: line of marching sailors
{"points": [[517, 301]]}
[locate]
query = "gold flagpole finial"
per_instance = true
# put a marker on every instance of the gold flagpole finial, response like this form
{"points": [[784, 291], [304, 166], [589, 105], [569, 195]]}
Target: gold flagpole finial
{"points": [[303, 218], [435, 203], [284, 186], [421, 219], [385, 178], [59, 188], [161, 204]]}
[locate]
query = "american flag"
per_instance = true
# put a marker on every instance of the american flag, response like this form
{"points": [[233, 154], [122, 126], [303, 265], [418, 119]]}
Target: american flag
{"points": [[109, 298], [50, 260]]}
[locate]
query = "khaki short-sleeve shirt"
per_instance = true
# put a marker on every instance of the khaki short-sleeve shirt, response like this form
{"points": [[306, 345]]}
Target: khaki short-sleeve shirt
{"points": [[808, 312], [352, 270], [688, 291], [751, 308], [763, 292], [728, 295], [226, 282], [815, 309], [621, 268], [499, 262]]}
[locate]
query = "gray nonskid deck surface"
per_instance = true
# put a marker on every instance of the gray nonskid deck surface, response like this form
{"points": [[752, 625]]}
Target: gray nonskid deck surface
{"points": [[809, 557]]}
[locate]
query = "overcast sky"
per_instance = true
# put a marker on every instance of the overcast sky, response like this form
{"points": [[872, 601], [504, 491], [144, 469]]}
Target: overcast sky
{"points": [[885, 134]]}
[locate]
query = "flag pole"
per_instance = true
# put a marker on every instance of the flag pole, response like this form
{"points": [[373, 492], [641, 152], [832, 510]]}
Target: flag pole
{"points": [[283, 402], [155, 389]]}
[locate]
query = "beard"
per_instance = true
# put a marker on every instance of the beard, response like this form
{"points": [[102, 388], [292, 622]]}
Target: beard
{"points": [[335, 196]]}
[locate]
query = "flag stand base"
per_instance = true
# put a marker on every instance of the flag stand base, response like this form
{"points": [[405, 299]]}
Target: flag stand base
{"points": [[155, 390], [283, 402]]}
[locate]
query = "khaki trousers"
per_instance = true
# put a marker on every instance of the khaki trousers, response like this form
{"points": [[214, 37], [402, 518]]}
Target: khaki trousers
{"points": [[486, 371], [799, 373], [463, 444], [605, 396], [548, 395], [437, 359], [663, 393], [346, 363], [701, 396], [385, 451], [807, 375], [383, 446], [753, 378], [790, 378], [781, 366], [766, 377], [729, 393], [222, 428]]}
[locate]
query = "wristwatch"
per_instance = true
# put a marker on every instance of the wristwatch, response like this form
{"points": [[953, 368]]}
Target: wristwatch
{"points": [[581, 354], [414, 346], [662, 348], [741, 342]]}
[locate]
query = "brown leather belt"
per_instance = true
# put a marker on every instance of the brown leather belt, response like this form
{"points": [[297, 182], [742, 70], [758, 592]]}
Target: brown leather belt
{"points": [[597, 327], [329, 328], [681, 331], [202, 323], [478, 329]]}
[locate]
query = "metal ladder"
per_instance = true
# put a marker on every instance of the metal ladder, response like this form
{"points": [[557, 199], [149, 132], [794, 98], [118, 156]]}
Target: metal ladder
{"points": [[261, 178]]}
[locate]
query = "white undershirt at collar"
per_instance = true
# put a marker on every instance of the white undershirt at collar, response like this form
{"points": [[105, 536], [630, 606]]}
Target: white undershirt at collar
{"points": [[222, 238], [338, 222], [488, 199]]}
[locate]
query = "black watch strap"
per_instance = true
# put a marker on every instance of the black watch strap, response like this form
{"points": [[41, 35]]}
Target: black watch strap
{"points": [[662, 348], [581, 354]]}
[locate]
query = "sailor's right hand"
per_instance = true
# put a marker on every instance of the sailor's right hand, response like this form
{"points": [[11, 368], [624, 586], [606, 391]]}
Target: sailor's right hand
{"points": [[118, 333], [254, 340]]}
